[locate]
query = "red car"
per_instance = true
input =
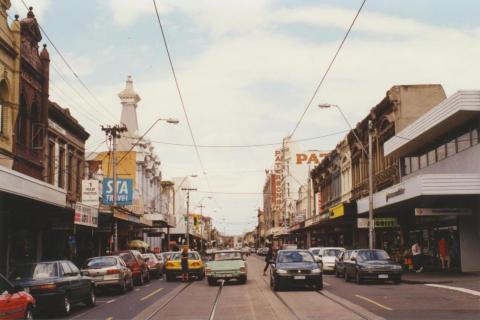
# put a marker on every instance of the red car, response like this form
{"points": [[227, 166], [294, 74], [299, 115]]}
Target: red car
{"points": [[15, 303], [134, 261]]}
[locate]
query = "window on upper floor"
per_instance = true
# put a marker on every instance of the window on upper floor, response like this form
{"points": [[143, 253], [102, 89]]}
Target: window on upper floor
{"points": [[51, 162], [2, 117], [61, 166], [21, 125]]}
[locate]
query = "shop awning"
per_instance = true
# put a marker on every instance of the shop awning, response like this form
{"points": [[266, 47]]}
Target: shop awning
{"points": [[19, 184], [424, 185]]}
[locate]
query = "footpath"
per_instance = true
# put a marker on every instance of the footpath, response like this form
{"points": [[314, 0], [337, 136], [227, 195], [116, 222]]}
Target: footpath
{"points": [[456, 279]]}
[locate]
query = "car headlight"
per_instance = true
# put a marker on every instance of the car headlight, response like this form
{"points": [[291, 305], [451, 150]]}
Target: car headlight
{"points": [[317, 271], [281, 271], [243, 269]]}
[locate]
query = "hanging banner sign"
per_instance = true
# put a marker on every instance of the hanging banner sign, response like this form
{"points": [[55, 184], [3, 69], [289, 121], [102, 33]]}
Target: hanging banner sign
{"points": [[124, 191], [91, 193], [86, 215]]}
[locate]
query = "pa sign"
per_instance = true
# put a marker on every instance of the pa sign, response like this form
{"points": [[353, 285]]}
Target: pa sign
{"points": [[124, 191]]}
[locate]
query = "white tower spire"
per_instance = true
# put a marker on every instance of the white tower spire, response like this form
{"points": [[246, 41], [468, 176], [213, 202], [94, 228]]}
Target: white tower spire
{"points": [[129, 99]]}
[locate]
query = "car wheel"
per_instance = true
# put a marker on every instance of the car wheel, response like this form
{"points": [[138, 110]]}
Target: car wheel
{"points": [[130, 285], [337, 274], [319, 285], [66, 306], [397, 281], [147, 280], [274, 284], [140, 280], [29, 313], [90, 301], [358, 279], [345, 275], [242, 280], [211, 281]]}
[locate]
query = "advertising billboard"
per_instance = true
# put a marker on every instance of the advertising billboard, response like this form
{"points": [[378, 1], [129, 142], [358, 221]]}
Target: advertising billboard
{"points": [[124, 191]]}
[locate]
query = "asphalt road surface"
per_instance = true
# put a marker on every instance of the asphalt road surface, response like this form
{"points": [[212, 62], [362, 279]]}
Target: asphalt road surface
{"points": [[255, 300]]}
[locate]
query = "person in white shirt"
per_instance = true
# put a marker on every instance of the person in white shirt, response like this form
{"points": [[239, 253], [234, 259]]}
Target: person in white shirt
{"points": [[417, 257]]}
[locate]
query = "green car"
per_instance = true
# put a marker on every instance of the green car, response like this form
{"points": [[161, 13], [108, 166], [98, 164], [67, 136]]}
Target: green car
{"points": [[226, 265]]}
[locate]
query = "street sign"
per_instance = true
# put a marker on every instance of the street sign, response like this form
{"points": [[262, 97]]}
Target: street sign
{"points": [[91, 193], [124, 191]]}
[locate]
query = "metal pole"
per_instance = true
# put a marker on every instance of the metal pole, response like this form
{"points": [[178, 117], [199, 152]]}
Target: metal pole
{"points": [[201, 228], [187, 231], [114, 156], [371, 225]]}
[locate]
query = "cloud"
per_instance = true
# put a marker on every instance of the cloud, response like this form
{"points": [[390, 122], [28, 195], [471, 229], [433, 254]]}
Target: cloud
{"points": [[245, 49]]}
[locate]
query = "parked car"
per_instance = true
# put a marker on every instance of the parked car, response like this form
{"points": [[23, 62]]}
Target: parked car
{"points": [[55, 284], [108, 272], [295, 267], [15, 302], [226, 265], [134, 261], [173, 267], [366, 264], [327, 255], [340, 263], [155, 266], [253, 250]]}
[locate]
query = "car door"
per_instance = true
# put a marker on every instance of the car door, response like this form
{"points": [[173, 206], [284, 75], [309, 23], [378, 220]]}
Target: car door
{"points": [[350, 264], [84, 283], [69, 281]]}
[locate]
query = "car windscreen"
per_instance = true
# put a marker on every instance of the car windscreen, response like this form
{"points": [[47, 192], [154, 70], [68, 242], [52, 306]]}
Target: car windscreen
{"points": [[99, 262], [294, 256], [127, 257], [191, 256], [150, 256], [331, 252], [35, 271], [316, 251], [223, 256], [372, 255]]}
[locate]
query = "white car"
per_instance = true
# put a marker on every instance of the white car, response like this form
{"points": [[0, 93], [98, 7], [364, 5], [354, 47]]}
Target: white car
{"points": [[328, 255]]}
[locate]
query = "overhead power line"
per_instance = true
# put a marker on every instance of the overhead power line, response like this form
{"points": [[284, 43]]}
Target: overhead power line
{"points": [[181, 98], [247, 145], [328, 68]]}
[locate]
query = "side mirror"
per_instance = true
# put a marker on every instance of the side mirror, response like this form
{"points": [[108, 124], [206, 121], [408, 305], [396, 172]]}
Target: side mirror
{"points": [[146, 259], [273, 265], [353, 259], [318, 259]]}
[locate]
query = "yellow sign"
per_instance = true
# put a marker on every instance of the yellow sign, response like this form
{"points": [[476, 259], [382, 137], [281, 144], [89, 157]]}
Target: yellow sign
{"points": [[337, 211], [127, 165]]}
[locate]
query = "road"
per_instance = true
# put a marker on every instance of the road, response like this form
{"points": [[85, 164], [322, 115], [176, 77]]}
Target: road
{"points": [[338, 300]]}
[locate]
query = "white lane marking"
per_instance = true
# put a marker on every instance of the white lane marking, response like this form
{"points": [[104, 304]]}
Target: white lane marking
{"points": [[464, 290], [137, 289], [109, 318], [326, 283], [110, 301], [147, 285], [374, 302], [151, 294]]}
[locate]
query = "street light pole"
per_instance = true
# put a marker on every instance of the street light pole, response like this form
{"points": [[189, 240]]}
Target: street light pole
{"points": [[187, 229], [371, 223]]}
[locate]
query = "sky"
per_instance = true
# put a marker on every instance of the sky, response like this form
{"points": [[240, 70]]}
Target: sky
{"points": [[247, 70]]}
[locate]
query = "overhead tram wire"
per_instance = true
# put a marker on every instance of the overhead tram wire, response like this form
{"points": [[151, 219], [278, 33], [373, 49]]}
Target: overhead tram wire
{"points": [[258, 145], [69, 66], [328, 68], [181, 99]]}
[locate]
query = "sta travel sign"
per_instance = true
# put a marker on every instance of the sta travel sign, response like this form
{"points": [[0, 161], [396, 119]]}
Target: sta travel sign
{"points": [[124, 191]]}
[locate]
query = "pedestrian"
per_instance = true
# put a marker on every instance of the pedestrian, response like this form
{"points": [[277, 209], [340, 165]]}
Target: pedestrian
{"points": [[444, 254], [417, 257], [268, 258], [184, 263]]}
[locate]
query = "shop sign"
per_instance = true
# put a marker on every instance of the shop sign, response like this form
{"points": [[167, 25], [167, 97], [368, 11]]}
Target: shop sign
{"points": [[337, 211], [124, 191], [318, 207], [323, 217], [127, 217], [393, 194], [312, 158], [362, 223], [91, 193], [443, 211], [299, 217], [86, 215]]}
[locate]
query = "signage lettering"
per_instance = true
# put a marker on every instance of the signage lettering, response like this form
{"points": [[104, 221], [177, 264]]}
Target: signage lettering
{"points": [[398, 192], [124, 191]]}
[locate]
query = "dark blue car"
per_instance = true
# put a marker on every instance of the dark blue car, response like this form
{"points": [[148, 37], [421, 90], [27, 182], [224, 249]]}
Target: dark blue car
{"points": [[295, 268], [55, 285]]}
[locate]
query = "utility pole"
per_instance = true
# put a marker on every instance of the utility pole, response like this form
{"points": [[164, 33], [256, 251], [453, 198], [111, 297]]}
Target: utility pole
{"points": [[113, 132], [371, 223], [201, 227], [187, 228]]}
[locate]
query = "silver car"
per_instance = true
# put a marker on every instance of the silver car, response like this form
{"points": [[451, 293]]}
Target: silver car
{"points": [[109, 271]]}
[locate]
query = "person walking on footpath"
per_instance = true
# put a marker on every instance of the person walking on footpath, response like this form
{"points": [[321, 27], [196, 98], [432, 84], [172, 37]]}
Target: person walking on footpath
{"points": [[444, 254], [184, 263], [417, 257], [268, 259]]}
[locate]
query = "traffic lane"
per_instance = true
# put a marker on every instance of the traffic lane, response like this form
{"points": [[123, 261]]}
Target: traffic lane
{"points": [[195, 302], [127, 306], [405, 300]]}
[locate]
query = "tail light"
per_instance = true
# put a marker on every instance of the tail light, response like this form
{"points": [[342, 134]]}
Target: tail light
{"points": [[195, 264], [208, 271], [136, 267], [243, 269], [44, 287], [170, 264], [113, 271]]}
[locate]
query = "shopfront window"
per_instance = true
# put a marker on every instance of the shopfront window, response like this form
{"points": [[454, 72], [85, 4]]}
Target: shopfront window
{"points": [[441, 152], [432, 157], [423, 160], [463, 142], [414, 163], [474, 136], [451, 148]]}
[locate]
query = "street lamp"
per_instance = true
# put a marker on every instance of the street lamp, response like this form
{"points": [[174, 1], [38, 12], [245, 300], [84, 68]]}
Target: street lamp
{"points": [[371, 226]]}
